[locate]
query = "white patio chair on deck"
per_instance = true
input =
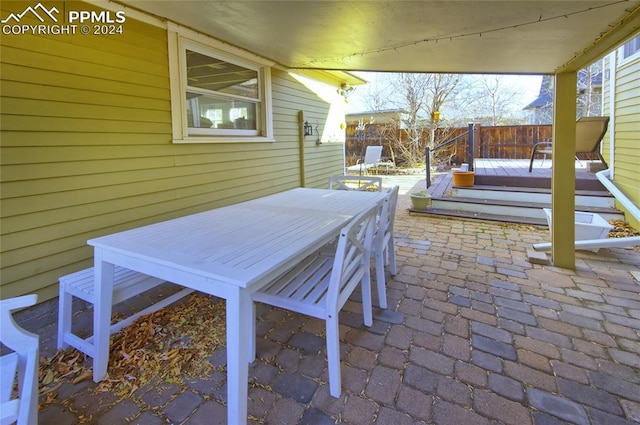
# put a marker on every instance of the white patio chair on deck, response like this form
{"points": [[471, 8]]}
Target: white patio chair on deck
{"points": [[23, 360], [321, 284], [383, 245], [372, 157]]}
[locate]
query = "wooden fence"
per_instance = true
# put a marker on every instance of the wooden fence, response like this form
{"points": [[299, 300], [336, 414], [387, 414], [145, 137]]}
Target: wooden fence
{"points": [[509, 142]]}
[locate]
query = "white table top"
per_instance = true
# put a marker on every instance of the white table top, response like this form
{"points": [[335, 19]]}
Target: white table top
{"points": [[244, 243]]}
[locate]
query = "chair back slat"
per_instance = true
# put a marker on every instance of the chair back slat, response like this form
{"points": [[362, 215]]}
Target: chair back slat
{"points": [[352, 258], [387, 217]]}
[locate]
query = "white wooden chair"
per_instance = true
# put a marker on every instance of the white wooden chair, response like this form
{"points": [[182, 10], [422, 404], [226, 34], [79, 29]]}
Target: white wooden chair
{"points": [[384, 245], [365, 183], [321, 284], [372, 155], [23, 360]]}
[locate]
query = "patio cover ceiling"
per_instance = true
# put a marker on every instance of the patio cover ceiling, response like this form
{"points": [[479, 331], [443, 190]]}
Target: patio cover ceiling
{"points": [[519, 37]]}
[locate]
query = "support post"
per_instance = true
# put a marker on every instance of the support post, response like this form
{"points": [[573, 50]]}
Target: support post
{"points": [[563, 171]]}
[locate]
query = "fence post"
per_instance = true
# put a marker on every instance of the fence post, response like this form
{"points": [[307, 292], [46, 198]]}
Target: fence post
{"points": [[470, 147], [428, 165]]}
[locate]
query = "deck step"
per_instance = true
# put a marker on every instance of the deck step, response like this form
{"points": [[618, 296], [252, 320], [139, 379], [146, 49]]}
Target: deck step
{"points": [[582, 183], [516, 197], [480, 216], [519, 211], [584, 198]]}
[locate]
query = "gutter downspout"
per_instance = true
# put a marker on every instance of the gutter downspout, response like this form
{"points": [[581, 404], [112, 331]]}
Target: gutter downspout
{"points": [[595, 243], [603, 177], [611, 242]]}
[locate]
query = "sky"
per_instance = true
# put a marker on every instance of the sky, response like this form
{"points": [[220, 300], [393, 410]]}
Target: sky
{"points": [[528, 85]]}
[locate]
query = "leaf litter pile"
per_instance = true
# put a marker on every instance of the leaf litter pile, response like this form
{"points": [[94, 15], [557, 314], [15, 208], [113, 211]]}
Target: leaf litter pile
{"points": [[167, 345], [621, 229]]}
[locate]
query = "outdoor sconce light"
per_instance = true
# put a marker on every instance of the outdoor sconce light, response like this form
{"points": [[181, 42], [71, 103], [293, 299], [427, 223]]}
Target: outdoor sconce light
{"points": [[318, 142], [345, 90], [308, 129]]}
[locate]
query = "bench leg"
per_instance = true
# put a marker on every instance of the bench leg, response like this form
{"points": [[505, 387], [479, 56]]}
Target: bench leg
{"points": [[103, 290], [64, 316], [252, 333]]}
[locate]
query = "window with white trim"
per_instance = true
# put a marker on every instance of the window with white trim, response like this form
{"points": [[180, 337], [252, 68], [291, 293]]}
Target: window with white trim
{"points": [[629, 51], [218, 96], [631, 47]]}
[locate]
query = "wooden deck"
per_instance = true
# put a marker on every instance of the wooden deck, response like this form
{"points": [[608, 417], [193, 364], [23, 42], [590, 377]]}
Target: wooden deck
{"points": [[515, 173], [504, 190]]}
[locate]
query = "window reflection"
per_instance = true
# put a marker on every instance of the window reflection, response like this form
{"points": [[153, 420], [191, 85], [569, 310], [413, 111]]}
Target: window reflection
{"points": [[205, 111], [206, 72]]}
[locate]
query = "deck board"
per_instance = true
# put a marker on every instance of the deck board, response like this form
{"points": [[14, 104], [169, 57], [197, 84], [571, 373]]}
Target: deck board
{"points": [[510, 168]]}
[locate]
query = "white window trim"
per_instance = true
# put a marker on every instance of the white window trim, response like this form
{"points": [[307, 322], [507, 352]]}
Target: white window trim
{"points": [[177, 37]]}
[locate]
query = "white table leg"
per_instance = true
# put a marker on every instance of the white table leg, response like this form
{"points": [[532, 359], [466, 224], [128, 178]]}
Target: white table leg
{"points": [[103, 281], [239, 304]]}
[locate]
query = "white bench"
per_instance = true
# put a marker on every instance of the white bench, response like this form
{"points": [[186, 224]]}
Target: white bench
{"points": [[126, 284]]}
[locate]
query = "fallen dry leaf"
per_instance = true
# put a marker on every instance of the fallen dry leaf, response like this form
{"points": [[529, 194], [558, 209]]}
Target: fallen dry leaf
{"points": [[621, 229], [167, 345]]}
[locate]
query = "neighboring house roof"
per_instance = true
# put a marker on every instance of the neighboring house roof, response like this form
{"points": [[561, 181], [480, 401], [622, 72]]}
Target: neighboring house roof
{"points": [[542, 100], [379, 116], [545, 96], [378, 112]]}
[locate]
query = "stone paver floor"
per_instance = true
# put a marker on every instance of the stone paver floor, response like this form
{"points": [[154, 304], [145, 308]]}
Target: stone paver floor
{"points": [[475, 334]]}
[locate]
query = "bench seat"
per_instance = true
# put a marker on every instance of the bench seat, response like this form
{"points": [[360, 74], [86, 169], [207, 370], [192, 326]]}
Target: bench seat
{"points": [[126, 284]]}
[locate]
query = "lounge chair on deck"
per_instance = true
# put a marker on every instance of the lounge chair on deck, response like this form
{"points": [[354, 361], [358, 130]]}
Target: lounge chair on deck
{"points": [[589, 134]]}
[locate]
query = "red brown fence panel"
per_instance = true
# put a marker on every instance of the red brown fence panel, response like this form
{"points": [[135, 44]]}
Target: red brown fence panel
{"points": [[500, 142]]}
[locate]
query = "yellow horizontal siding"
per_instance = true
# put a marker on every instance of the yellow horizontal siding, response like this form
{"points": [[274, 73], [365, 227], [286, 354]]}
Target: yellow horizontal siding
{"points": [[138, 40], [96, 63], [627, 132], [86, 149], [35, 91]]}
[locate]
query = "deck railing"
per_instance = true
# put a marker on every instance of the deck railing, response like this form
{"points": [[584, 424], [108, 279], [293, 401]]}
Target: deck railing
{"points": [[428, 151]]}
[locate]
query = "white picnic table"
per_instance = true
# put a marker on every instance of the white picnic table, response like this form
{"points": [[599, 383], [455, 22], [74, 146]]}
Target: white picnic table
{"points": [[228, 252]]}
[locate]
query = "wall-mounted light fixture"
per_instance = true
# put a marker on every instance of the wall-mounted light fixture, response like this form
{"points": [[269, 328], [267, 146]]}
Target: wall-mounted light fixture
{"points": [[307, 128], [345, 90]]}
